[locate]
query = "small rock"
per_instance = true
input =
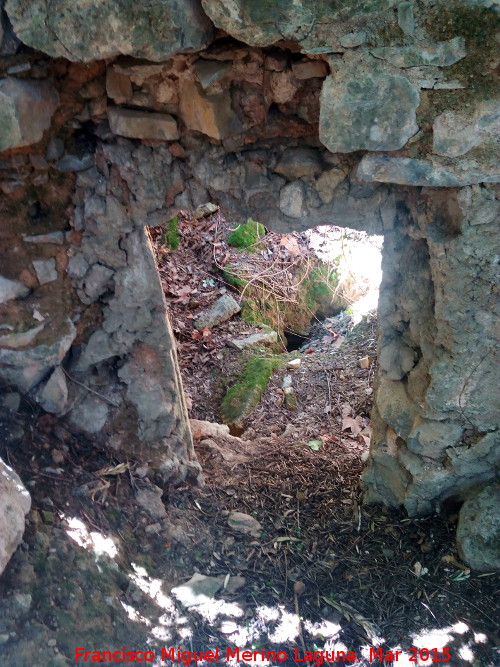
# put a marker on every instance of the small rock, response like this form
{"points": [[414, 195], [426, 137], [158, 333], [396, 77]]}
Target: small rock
{"points": [[91, 415], [406, 20], [292, 199], [210, 71], [57, 456], [74, 163], [244, 523], [23, 600], [309, 69], [55, 149], [264, 338], [39, 162], [200, 589], [54, 396], [220, 311], [149, 498], [118, 86], [294, 364], [299, 162], [441, 54], [97, 280], [364, 362], [142, 124], [45, 270], [327, 184], [56, 238], [234, 584], [287, 382], [353, 39], [291, 402], [52, 643], [11, 289], [205, 210], [77, 265]]}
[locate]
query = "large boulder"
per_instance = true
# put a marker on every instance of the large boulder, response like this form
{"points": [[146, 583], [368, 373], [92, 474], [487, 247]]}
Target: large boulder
{"points": [[26, 110], [363, 110], [15, 503], [91, 30]]}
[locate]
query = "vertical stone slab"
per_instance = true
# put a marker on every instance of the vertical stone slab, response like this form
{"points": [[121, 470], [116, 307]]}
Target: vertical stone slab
{"points": [[141, 410], [436, 417]]}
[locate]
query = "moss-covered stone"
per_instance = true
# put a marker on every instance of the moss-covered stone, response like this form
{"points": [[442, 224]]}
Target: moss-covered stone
{"points": [[247, 236], [171, 236], [243, 396]]}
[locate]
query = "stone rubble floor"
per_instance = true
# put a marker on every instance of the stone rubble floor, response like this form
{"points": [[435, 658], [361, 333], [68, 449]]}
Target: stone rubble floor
{"points": [[104, 547]]}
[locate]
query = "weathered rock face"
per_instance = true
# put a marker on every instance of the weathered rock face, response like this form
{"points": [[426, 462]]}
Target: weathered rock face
{"points": [[15, 503], [93, 29], [376, 115], [26, 109], [436, 418], [385, 104]]}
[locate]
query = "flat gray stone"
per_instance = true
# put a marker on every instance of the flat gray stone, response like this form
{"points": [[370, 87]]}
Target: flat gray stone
{"points": [[411, 171], [74, 163], [292, 200], [77, 266], [244, 523], [478, 532], [371, 111], [406, 19], [25, 367], [353, 39], [96, 280], [142, 124], [26, 110], [45, 270], [12, 289], [263, 338], [455, 134], [299, 162], [441, 54], [56, 238], [149, 498], [15, 502], [53, 397], [86, 32], [220, 311], [90, 415], [200, 589]]}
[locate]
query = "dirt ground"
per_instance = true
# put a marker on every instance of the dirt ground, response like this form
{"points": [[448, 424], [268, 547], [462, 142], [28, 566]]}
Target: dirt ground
{"points": [[104, 549]]}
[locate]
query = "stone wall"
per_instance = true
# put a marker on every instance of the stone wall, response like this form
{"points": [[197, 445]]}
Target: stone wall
{"points": [[379, 116]]}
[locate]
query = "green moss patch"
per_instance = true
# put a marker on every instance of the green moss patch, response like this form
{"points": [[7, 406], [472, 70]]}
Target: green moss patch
{"points": [[243, 396], [247, 236], [171, 236]]}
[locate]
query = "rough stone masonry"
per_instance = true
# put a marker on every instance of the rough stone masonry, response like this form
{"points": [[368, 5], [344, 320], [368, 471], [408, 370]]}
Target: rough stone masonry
{"points": [[377, 115]]}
